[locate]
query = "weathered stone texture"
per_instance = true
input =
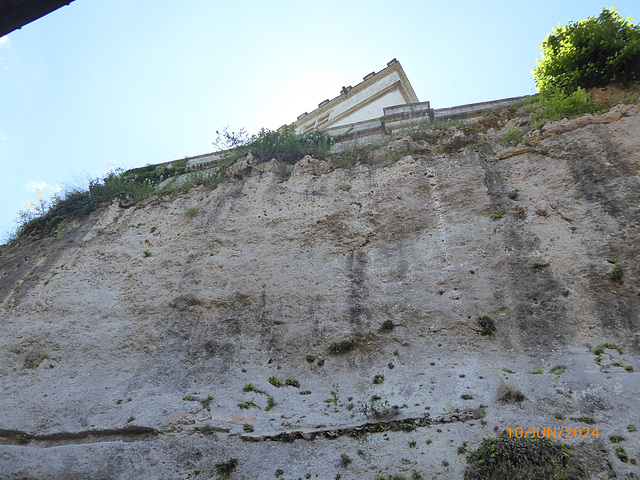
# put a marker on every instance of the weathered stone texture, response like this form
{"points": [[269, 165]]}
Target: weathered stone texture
{"points": [[100, 345]]}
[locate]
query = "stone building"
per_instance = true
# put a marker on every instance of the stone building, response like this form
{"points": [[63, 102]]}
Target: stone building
{"points": [[366, 101]]}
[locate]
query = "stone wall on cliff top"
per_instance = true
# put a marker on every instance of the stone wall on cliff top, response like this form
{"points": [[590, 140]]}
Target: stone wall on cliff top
{"points": [[120, 364]]}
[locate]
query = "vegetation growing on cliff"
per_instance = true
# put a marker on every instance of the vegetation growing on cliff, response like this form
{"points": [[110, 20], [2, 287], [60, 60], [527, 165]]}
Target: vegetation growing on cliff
{"points": [[44, 218], [595, 52], [591, 53], [225, 467], [284, 144], [506, 458], [487, 325]]}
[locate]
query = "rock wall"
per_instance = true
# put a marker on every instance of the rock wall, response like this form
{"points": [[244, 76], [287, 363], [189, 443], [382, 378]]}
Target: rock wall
{"points": [[129, 340]]}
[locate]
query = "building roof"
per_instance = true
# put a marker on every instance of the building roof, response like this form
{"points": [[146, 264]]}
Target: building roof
{"points": [[365, 101], [15, 14]]}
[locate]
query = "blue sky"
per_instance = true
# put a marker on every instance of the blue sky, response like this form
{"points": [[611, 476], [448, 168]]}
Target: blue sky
{"points": [[123, 83]]}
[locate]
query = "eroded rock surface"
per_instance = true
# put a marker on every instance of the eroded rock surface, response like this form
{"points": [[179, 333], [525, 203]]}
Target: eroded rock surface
{"points": [[120, 364]]}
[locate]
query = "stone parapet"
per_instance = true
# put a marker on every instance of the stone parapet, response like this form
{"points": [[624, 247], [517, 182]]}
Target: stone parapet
{"points": [[475, 110], [402, 116]]}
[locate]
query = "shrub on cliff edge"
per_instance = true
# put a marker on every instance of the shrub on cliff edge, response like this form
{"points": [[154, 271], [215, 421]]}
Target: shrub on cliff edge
{"points": [[591, 53], [283, 144], [595, 52]]}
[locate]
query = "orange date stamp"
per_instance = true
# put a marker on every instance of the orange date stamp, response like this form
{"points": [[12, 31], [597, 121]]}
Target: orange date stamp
{"points": [[553, 432]]}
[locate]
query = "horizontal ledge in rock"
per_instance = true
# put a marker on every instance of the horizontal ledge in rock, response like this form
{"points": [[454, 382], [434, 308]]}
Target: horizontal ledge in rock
{"points": [[18, 437]]}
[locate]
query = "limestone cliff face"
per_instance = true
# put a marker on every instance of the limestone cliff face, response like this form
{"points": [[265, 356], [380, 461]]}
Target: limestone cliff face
{"points": [[120, 364]]}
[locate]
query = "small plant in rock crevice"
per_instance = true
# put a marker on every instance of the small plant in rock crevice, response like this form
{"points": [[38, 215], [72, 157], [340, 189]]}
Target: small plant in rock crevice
{"points": [[616, 273], [558, 369], [498, 215], [191, 212], [224, 468], [342, 347], [628, 368], [520, 213], [378, 407], [205, 402], [387, 325], [207, 429], [292, 382], [270, 404], [509, 394], [538, 266], [622, 454], [345, 460], [335, 396], [247, 405], [351, 154], [487, 325], [22, 438], [275, 381], [511, 137], [406, 427], [584, 419], [248, 428]]}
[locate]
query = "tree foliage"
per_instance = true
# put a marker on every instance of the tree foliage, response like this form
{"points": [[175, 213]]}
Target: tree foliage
{"points": [[595, 52]]}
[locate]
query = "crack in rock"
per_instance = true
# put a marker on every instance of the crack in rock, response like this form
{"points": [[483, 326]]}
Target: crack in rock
{"points": [[405, 424], [129, 433]]}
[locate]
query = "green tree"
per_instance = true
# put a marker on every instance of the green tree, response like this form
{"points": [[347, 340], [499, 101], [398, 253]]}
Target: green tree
{"points": [[595, 52]]}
